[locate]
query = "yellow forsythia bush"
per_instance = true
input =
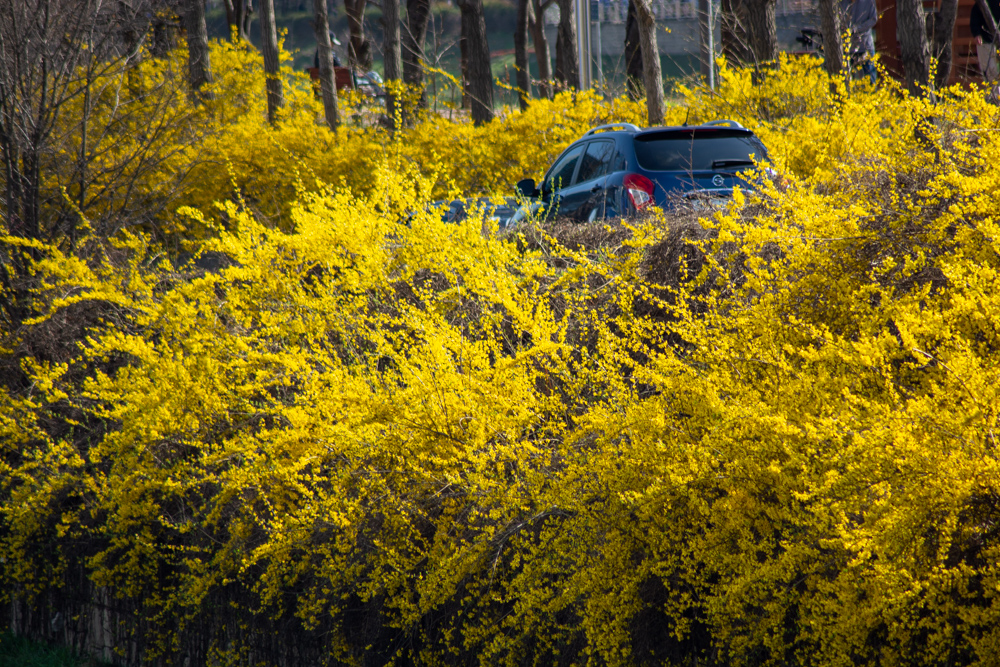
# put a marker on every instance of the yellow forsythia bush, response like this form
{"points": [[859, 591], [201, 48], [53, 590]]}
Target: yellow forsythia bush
{"points": [[761, 436]]}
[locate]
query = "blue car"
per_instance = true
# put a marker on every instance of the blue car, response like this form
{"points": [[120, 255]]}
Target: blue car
{"points": [[619, 169]]}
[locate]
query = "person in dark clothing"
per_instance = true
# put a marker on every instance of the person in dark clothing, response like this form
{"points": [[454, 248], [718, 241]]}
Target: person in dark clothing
{"points": [[861, 16], [986, 40], [336, 61]]}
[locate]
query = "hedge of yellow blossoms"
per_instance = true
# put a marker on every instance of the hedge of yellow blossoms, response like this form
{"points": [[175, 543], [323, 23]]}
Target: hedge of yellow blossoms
{"points": [[765, 436]]}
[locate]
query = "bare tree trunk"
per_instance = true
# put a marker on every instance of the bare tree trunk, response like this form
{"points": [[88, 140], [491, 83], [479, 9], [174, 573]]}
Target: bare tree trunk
{"points": [[652, 78], [829, 16], [463, 49], [230, 15], [542, 56], [762, 33], [128, 20], [417, 14], [359, 50], [130, 33], [989, 20], [272, 73], [247, 18], [199, 65], [521, 53], [478, 50], [237, 19], [327, 80], [560, 69], [735, 44], [164, 35], [911, 27], [566, 56], [633, 54], [944, 29], [392, 60]]}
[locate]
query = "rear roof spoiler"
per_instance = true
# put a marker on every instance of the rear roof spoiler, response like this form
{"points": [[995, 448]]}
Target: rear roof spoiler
{"points": [[688, 130], [723, 122]]}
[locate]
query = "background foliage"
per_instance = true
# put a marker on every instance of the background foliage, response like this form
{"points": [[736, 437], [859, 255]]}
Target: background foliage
{"points": [[296, 418]]}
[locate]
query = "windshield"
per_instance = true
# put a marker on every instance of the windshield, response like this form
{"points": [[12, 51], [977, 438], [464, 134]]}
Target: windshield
{"points": [[698, 150]]}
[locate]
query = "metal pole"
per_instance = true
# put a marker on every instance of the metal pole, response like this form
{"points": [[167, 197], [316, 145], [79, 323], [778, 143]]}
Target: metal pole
{"points": [[599, 55], [711, 44], [706, 33], [582, 10]]}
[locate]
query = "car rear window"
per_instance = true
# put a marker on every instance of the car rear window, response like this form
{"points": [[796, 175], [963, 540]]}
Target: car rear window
{"points": [[696, 150]]}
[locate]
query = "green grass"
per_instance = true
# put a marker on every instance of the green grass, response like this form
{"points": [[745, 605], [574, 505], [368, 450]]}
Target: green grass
{"points": [[20, 652]]}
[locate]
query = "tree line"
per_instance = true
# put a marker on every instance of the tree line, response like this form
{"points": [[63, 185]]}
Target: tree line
{"points": [[748, 30]]}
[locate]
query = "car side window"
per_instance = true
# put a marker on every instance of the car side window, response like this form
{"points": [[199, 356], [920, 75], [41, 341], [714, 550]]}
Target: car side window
{"points": [[561, 175], [617, 162], [595, 160]]}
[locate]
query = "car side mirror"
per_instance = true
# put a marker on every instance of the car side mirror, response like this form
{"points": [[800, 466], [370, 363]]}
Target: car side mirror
{"points": [[527, 188]]}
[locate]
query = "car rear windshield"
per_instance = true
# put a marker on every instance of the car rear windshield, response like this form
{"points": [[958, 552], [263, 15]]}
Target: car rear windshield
{"points": [[697, 150]]}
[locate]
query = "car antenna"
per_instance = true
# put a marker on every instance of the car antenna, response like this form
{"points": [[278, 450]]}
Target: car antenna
{"points": [[686, 117]]}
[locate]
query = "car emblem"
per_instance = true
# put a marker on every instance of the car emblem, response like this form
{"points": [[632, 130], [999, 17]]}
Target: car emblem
{"points": [[718, 180]]}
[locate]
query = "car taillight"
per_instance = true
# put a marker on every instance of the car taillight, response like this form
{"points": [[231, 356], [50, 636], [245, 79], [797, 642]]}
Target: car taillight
{"points": [[640, 190]]}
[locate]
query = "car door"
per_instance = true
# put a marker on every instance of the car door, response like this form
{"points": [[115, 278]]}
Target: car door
{"points": [[585, 201], [559, 179], [615, 201]]}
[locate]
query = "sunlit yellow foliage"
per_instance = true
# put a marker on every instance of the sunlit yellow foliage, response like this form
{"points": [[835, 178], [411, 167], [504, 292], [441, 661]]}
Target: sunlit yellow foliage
{"points": [[765, 437], [266, 165]]}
